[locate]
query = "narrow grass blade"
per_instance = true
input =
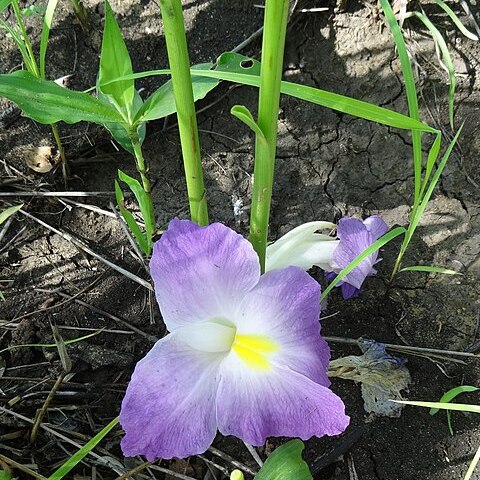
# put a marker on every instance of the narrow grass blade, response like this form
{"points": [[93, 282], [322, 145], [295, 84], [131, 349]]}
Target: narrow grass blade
{"points": [[228, 69], [426, 268], [367, 252], [145, 205], [432, 158], [51, 345], [47, 25], [473, 465], [285, 463], [411, 91], [452, 394], [8, 212], [83, 452], [131, 222], [436, 177], [447, 59], [456, 20], [458, 407], [20, 45]]}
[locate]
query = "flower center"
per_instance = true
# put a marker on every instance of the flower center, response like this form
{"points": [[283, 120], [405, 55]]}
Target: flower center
{"points": [[220, 335], [215, 336], [254, 350]]}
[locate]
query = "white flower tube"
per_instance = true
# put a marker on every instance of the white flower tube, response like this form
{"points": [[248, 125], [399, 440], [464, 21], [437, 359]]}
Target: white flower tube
{"points": [[303, 247]]}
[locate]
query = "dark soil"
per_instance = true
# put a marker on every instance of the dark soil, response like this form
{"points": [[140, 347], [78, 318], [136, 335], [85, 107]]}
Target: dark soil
{"points": [[328, 165]]}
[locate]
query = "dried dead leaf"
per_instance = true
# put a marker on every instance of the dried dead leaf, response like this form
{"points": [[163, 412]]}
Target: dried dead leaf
{"points": [[40, 159]]}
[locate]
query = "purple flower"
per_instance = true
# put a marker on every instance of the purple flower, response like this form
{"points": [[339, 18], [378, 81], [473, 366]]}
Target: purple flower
{"points": [[356, 236], [244, 355]]}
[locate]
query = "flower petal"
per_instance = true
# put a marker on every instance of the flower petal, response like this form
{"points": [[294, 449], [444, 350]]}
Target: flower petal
{"points": [[256, 405], [284, 307], [354, 239], [302, 247], [376, 225], [169, 408], [201, 272]]}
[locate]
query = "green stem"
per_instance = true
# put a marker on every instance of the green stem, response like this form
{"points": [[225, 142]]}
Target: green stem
{"points": [[176, 40], [61, 151], [80, 13], [141, 166], [143, 171], [275, 27], [30, 62]]}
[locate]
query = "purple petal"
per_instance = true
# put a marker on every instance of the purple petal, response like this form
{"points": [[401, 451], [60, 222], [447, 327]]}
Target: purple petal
{"points": [[349, 291], [169, 408], [354, 239], [255, 405], [201, 272], [285, 307], [376, 226]]}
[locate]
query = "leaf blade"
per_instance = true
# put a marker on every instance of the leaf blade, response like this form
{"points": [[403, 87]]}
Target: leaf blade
{"points": [[46, 102], [285, 463]]}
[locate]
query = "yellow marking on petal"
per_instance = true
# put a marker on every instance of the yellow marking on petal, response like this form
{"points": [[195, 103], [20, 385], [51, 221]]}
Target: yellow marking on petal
{"points": [[254, 350]]}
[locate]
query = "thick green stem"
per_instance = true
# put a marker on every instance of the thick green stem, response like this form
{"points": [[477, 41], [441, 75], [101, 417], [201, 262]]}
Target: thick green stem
{"points": [[275, 27], [176, 40]]}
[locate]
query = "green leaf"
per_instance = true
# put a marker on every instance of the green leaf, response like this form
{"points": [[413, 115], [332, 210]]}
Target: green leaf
{"points": [[432, 158], [441, 44], [120, 131], [162, 102], [426, 268], [131, 222], [436, 177], [46, 102], [8, 212], [458, 407], [143, 203], [4, 4], [244, 114], [83, 452], [452, 394], [456, 20], [366, 253], [229, 69], [115, 62], [47, 25], [285, 463], [5, 475], [412, 97]]}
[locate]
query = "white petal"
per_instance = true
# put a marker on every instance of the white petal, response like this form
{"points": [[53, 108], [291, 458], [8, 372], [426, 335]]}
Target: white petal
{"points": [[302, 247], [213, 336]]}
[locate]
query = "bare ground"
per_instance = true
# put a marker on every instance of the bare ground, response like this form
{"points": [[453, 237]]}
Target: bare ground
{"points": [[328, 165]]}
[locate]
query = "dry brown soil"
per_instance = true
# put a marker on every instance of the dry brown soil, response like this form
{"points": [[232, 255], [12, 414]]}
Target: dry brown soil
{"points": [[328, 165]]}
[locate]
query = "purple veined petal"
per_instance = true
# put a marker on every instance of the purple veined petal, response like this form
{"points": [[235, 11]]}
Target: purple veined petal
{"points": [[354, 239], [284, 309], [201, 272], [254, 405], [376, 226], [169, 407]]}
